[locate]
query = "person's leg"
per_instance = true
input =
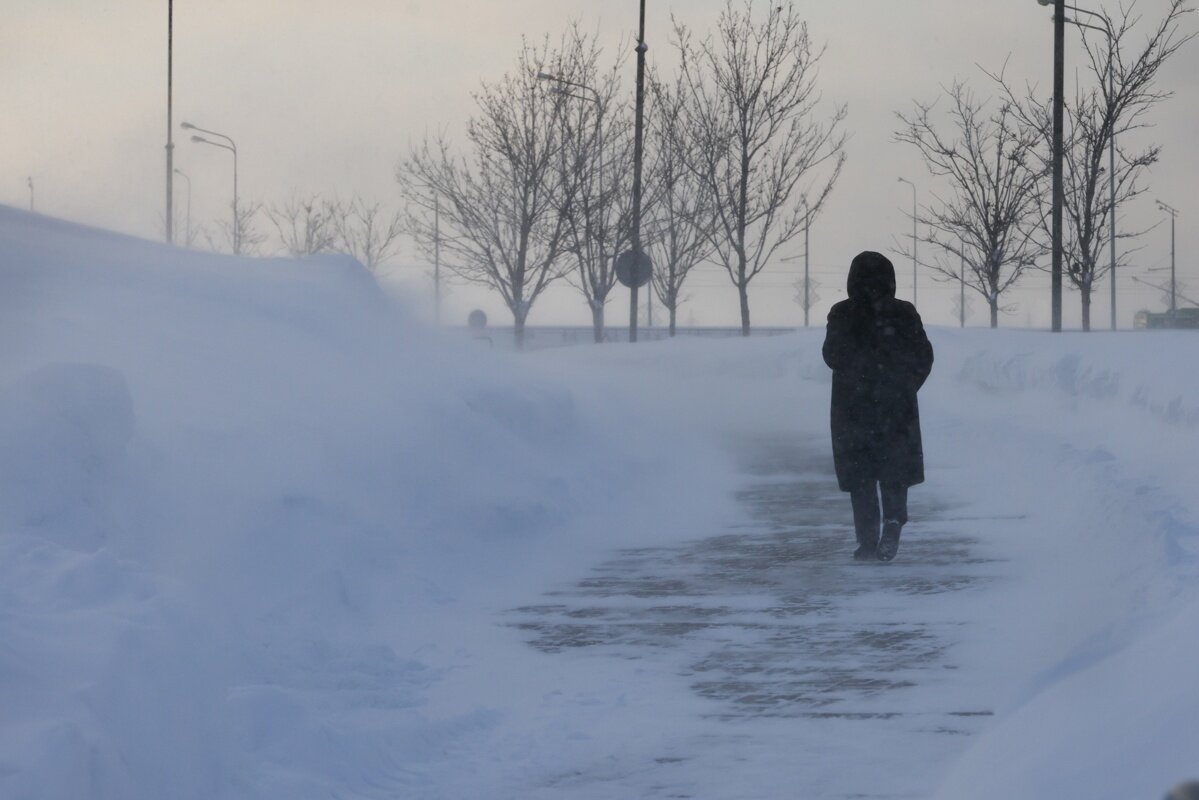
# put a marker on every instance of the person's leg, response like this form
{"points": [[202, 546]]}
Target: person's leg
{"points": [[895, 514], [864, 496], [895, 503]]}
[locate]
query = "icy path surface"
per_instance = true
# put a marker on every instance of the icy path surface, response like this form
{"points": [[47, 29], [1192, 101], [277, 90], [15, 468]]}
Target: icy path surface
{"points": [[822, 677]]}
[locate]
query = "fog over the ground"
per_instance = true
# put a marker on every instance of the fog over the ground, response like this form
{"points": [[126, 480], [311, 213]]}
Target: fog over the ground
{"points": [[325, 99]]}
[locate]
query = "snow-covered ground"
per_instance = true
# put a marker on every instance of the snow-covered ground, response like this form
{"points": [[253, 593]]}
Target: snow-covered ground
{"points": [[260, 535]]}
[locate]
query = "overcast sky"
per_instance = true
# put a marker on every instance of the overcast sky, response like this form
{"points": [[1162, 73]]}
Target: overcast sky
{"points": [[324, 98]]}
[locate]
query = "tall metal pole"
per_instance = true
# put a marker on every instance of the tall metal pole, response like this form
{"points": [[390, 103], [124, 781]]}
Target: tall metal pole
{"points": [[639, 131], [1173, 275], [599, 138], [1107, 31], [1059, 82], [1111, 178], [170, 142], [909, 183], [236, 219], [915, 244], [1173, 212], [807, 282], [235, 234]]}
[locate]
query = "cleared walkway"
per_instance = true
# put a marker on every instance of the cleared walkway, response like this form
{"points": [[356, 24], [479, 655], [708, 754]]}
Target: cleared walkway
{"points": [[837, 675]]}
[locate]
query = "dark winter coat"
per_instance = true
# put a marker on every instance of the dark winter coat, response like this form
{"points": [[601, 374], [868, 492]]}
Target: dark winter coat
{"points": [[880, 357]]}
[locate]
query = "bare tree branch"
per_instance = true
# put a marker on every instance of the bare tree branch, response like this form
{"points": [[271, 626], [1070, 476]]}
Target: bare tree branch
{"points": [[367, 231], [751, 108], [991, 215], [305, 225], [501, 223], [1120, 102], [595, 164], [681, 213], [242, 235]]}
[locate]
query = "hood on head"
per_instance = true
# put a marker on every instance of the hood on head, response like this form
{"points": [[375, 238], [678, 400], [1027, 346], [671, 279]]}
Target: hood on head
{"points": [[871, 277]]}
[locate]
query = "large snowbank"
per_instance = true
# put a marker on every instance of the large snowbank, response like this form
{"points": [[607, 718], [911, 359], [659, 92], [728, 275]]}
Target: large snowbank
{"points": [[1094, 441], [257, 532], [249, 515]]}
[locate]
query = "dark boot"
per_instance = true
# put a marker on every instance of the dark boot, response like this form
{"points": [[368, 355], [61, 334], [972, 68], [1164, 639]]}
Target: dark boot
{"points": [[866, 552], [864, 497], [888, 544], [867, 545]]}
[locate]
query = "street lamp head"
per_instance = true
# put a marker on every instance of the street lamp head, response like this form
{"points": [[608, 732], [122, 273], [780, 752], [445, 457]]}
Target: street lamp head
{"points": [[545, 76], [187, 126], [1045, 2], [200, 139]]}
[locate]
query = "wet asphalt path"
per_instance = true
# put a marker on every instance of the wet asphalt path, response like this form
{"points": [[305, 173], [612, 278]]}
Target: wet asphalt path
{"points": [[773, 622]]}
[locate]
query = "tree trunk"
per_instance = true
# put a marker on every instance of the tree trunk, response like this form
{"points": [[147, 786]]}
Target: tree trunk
{"points": [[673, 312], [743, 291], [1086, 308], [597, 322], [518, 329], [995, 312]]}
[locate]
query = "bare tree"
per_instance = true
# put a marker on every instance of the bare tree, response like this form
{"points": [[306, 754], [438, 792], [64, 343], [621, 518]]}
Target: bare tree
{"points": [[305, 225], [241, 235], [680, 214], [367, 231], [500, 214], [751, 109], [595, 163], [194, 233], [1124, 94], [990, 217]]}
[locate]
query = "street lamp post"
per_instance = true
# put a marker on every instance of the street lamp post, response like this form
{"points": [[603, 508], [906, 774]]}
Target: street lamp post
{"points": [[170, 224], [638, 139], [595, 96], [599, 117], [235, 234], [909, 183], [1059, 84], [1107, 31], [185, 177], [807, 282], [29, 180], [599, 110], [1173, 212]]}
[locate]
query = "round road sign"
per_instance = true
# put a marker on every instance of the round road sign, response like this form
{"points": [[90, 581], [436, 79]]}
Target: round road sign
{"points": [[633, 268]]}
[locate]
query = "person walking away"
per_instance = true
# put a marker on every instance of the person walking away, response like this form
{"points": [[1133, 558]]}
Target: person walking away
{"points": [[880, 357]]}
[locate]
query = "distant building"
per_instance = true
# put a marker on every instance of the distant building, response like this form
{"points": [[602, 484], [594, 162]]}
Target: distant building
{"points": [[1182, 318]]}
